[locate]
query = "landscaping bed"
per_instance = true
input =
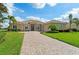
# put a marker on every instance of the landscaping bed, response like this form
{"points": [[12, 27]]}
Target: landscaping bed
{"points": [[67, 37]]}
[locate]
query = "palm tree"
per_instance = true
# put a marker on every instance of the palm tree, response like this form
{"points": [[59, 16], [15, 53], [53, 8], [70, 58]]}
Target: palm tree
{"points": [[3, 9], [70, 21], [76, 21], [11, 19]]}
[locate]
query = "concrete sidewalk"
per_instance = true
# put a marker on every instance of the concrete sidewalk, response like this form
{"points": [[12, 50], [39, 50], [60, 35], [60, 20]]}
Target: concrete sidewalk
{"points": [[37, 44]]}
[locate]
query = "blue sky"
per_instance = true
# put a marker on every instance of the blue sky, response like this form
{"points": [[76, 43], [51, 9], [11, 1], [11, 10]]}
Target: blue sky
{"points": [[43, 11]]}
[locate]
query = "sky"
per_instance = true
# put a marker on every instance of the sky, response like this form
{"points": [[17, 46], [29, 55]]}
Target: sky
{"points": [[43, 11]]}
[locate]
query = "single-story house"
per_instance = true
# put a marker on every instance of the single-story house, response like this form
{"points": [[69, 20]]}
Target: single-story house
{"points": [[35, 25]]}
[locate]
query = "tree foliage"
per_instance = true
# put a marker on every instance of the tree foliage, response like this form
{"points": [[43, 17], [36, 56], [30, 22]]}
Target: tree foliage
{"points": [[70, 20], [3, 9], [53, 27], [13, 20]]}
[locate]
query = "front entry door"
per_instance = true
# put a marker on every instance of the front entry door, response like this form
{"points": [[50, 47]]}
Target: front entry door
{"points": [[32, 27]]}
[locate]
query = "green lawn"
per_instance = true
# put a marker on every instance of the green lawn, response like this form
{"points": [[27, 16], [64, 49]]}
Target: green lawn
{"points": [[2, 34], [68, 37], [11, 44]]}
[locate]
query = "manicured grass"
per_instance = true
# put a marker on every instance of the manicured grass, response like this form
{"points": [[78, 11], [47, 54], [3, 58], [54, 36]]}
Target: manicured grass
{"points": [[68, 37], [2, 34], [12, 43]]}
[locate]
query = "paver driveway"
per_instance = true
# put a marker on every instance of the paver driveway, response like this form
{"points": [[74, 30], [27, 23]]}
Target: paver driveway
{"points": [[37, 44]]}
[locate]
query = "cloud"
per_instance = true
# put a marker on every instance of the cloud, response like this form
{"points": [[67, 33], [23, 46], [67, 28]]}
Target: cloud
{"points": [[11, 8], [19, 18], [64, 17], [18, 9], [74, 12], [39, 5], [32, 17], [5, 24], [51, 4], [57, 18], [42, 5], [37, 18], [61, 19]]}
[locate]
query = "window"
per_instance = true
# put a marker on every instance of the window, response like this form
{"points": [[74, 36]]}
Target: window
{"points": [[26, 27], [14, 27]]}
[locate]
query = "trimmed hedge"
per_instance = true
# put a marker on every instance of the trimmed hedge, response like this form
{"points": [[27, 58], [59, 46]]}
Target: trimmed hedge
{"points": [[64, 30], [12, 29], [52, 31]]}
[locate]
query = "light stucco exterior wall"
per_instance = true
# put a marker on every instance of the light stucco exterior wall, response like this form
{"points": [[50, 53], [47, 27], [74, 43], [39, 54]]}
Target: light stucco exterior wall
{"points": [[20, 27], [60, 26], [40, 26], [73, 26], [36, 25]]}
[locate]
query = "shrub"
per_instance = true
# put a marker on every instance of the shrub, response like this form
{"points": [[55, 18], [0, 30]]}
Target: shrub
{"points": [[18, 30], [64, 30], [52, 27], [74, 29], [52, 31], [67, 30], [61, 30], [12, 29]]}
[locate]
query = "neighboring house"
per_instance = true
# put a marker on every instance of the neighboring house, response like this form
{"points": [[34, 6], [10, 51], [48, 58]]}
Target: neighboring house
{"points": [[73, 26], [35, 25], [60, 25]]}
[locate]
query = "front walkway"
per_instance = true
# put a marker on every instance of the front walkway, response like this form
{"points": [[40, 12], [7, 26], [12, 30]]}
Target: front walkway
{"points": [[37, 44]]}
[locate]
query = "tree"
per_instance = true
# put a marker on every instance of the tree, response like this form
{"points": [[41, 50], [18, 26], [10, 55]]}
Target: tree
{"points": [[70, 21], [52, 27], [11, 19], [76, 21], [3, 9]]}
